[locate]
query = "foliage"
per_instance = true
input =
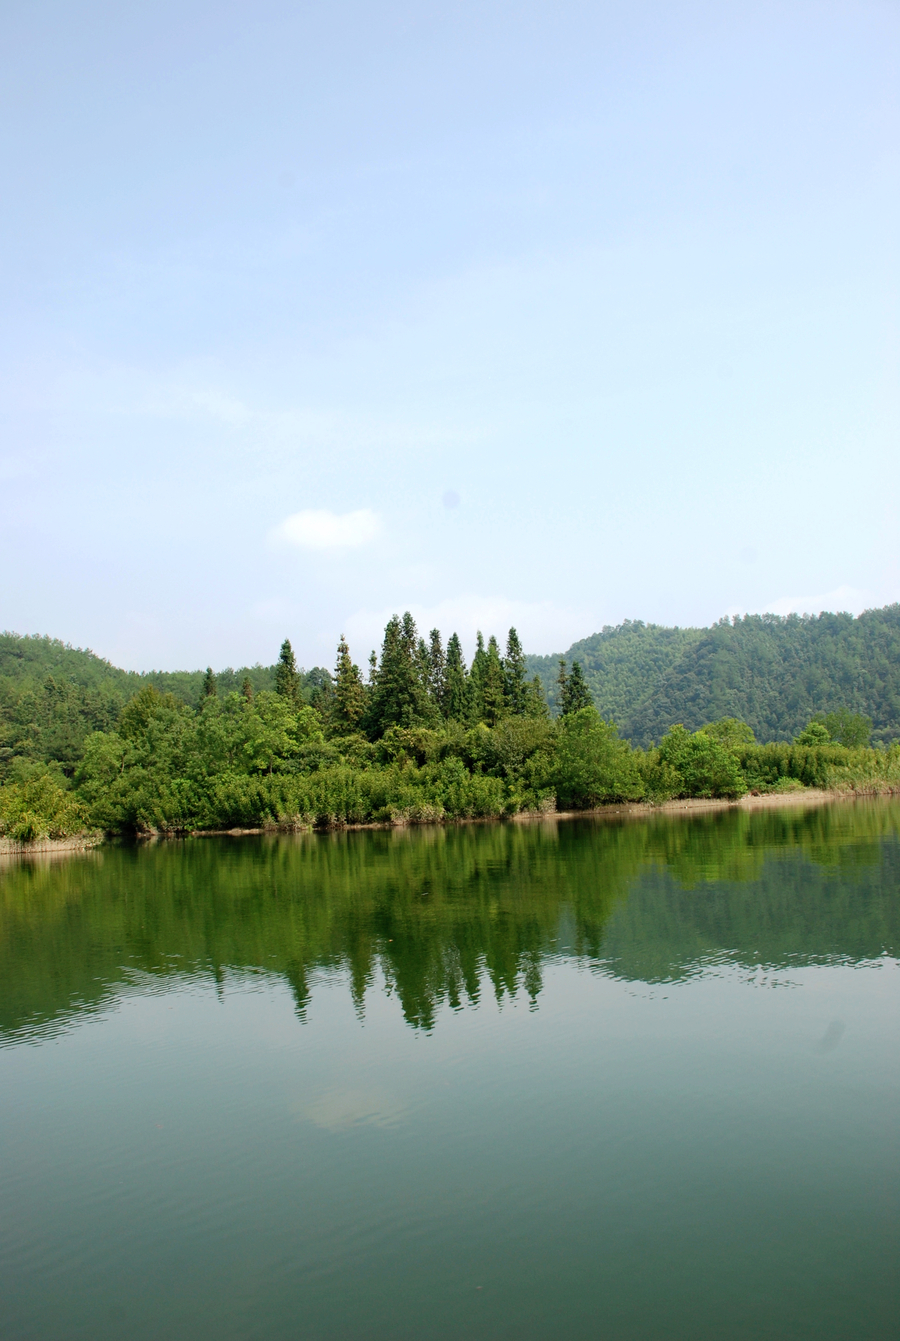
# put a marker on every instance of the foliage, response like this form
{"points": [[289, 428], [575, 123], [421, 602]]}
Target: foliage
{"points": [[730, 732], [773, 673], [815, 734], [39, 808], [701, 763], [852, 729], [424, 739], [592, 764]]}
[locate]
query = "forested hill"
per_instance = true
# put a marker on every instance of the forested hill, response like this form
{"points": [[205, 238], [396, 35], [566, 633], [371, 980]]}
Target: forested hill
{"points": [[52, 696], [772, 672]]}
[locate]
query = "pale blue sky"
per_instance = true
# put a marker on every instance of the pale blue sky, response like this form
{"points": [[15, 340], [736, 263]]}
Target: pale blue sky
{"points": [[619, 281]]}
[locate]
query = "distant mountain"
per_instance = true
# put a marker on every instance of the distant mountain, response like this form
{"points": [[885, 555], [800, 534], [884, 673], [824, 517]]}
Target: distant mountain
{"points": [[773, 672]]}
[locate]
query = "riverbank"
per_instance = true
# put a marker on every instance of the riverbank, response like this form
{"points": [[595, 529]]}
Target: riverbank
{"points": [[808, 797], [47, 846]]}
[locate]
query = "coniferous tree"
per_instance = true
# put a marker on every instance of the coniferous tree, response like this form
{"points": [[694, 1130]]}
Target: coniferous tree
{"points": [[575, 693], [437, 672], [492, 685], [562, 687], [247, 690], [399, 696], [287, 678], [210, 688], [458, 704], [476, 680], [423, 663], [515, 686], [349, 703], [535, 703]]}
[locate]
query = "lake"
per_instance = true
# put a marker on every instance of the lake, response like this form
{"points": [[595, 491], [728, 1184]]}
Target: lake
{"points": [[607, 1078]]}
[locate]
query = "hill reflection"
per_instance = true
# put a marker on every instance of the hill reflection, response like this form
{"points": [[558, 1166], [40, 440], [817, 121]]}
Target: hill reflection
{"points": [[445, 913]]}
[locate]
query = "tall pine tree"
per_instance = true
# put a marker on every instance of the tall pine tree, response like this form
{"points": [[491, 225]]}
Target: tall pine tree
{"points": [[515, 686], [476, 680], [210, 688], [574, 692], [399, 696], [349, 702], [535, 703], [562, 687], [437, 672], [458, 706], [493, 699], [287, 678]]}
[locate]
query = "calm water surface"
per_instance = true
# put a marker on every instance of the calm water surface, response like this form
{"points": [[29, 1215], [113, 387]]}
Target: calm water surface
{"points": [[599, 1079]]}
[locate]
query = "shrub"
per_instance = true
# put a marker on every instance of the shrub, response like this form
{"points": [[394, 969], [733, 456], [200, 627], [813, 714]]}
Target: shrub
{"points": [[592, 764], [703, 764], [39, 808]]}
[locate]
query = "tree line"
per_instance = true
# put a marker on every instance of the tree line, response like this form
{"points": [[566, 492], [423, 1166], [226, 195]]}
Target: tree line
{"points": [[420, 737], [420, 683]]}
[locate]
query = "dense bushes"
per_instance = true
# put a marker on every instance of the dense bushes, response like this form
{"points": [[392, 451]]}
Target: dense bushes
{"points": [[592, 765], [39, 808], [240, 763]]}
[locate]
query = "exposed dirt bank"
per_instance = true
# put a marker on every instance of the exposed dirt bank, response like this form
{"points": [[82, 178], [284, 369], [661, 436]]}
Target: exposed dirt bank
{"points": [[48, 846]]}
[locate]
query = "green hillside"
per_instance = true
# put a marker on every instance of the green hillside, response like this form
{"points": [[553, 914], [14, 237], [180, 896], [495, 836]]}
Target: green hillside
{"points": [[52, 696], [772, 672]]}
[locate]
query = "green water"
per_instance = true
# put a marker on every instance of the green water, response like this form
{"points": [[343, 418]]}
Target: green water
{"points": [[599, 1079]]}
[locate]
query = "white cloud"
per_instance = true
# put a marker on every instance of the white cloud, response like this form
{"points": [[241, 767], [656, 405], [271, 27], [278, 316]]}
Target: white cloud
{"points": [[321, 529]]}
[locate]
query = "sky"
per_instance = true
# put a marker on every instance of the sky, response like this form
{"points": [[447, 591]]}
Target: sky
{"points": [[551, 315]]}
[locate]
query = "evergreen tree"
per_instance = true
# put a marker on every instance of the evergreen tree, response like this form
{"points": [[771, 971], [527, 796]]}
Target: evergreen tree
{"points": [[399, 696], [423, 663], [492, 686], [437, 672], [457, 702], [535, 703], [476, 680], [515, 685], [562, 687], [247, 690], [287, 678], [210, 689], [349, 701], [574, 693]]}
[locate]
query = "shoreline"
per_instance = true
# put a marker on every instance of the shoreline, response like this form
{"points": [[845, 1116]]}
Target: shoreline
{"points": [[810, 797], [79, 842]]}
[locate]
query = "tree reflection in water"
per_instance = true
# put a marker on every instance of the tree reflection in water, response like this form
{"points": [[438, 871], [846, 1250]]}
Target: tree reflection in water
{"points": [[441, 914]]}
